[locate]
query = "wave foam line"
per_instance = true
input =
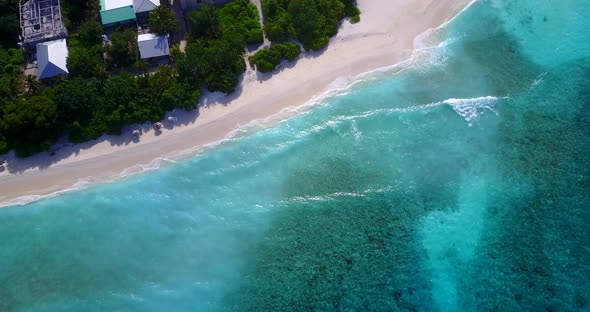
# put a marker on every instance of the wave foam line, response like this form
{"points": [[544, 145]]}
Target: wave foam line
{"points": [[466, 108], [23, 200], [419, 46], [470, 109], [336, 195]]}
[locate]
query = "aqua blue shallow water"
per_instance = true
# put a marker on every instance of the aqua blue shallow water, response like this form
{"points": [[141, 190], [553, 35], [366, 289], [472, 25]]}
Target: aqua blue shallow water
{"points": [[461, 183]]}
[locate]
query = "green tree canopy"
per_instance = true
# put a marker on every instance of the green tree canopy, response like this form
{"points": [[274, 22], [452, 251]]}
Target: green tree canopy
{"points": [[10, 74], [84, 62], [163, 21], [215, 56], [85, 57], [9, 24], [238, 17], [204, 22], [123, 50], [90, 33], [30, 125], [241, 17], [4, 148], [76, 99], [77, 12], [266, 60], [213, 62], [312, 22]]}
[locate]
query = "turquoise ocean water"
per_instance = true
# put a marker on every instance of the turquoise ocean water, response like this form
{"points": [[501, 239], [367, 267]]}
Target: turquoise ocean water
{"points": [[460, 183]]}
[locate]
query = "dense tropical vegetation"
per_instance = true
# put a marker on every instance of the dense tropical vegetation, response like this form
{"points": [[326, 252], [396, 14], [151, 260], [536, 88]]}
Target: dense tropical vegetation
{"points": [[97, 97], [215, 54], [122, 50], [85, 58], [10, 74], [312, 22], [87, 108], [9, 23], [266, 60], [100, 96], [163, 21], [12, 84]]}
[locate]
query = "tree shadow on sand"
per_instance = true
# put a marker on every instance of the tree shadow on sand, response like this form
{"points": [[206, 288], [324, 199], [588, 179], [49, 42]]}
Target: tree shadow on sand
{"points": [[64, 149]]}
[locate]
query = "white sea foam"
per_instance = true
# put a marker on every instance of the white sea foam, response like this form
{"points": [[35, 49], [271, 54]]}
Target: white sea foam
{"points": [[470, 109], [537, 81], [424, 42], [355, 130], [23, 200], [336, 195]]}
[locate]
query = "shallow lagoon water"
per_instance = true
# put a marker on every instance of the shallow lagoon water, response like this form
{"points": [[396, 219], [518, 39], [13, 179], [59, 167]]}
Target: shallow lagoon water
{"points": [[460, 183]]}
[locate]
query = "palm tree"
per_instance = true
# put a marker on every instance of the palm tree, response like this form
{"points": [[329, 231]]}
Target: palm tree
{"points": [[163, 20], [142, 65], [33, 85]]}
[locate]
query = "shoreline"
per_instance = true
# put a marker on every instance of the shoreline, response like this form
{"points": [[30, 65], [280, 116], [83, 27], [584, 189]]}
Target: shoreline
{"points": [[384, 37]]}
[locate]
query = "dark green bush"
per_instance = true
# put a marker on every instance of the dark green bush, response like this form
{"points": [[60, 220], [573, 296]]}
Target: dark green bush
{"points": [[215, 55], [312, 22], [10, 75], [3, 145], [204, 22], [122, 48], [290, 51], [266, 60], [89, 34], [354, 13], [30, 124], [241, 17], [9, 23], [84, 62], [163, 21]]}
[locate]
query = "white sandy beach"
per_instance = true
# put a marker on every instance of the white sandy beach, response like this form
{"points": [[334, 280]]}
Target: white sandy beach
{"points": [[384, 37]]}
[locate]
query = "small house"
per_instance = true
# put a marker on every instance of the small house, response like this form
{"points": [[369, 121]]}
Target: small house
{"points": [[144, 6], [152, 45], [116, 11], [51, 58]]}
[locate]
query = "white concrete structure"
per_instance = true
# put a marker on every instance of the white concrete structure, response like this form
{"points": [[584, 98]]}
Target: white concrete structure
{"points": [[51, 58], [41, 20], [145, 5], [152, 45], [116, 4], [116, 11]]}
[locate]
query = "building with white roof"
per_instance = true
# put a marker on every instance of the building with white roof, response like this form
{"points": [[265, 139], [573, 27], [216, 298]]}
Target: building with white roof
{"points": [[142, 6], [152, 45], [51, 58]]}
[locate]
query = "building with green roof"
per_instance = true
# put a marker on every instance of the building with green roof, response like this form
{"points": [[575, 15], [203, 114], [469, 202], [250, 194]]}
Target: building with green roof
{"points": [[116, 11]]}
